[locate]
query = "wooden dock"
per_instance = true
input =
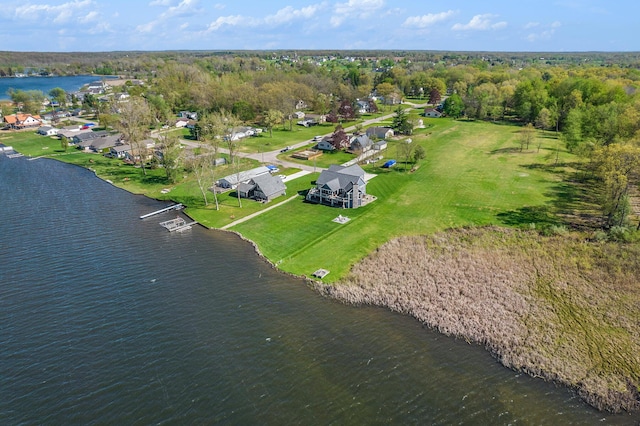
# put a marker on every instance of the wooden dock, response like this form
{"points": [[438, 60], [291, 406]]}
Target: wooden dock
{"points": [[177, 224], [178, 206]]}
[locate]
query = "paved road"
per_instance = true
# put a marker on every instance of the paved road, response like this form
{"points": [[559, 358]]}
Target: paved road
{"points": [[271, 157]]}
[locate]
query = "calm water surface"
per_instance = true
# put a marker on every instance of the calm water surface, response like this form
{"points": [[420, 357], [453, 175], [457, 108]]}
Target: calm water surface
{"points": [[45, 84], [109, 319]]}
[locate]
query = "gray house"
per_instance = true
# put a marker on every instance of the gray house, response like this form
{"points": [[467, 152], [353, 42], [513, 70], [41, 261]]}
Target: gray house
{"points": [[380, 132], [361, 143], [340, 186], [264, 187]]}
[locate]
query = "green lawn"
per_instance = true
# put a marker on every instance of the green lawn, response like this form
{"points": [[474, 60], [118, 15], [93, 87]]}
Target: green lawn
{"points": [[474, 174]]}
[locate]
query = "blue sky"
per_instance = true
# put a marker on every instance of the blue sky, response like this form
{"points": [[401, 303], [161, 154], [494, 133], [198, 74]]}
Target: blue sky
{"points": [[97, 25]]}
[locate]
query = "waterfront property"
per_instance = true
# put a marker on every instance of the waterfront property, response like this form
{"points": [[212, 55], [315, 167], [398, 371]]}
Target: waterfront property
{"points": [[264, 187], [340, 186], [231, 181], [22, 121]]}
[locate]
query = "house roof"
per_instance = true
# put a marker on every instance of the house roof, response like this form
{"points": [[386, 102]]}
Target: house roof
{"points": [[234, 178], [379, 132], [269, 184], [340, 177], [362, 140]]}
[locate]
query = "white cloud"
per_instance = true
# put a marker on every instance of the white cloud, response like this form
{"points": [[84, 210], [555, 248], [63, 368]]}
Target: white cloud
{"points": [[184, 8], [282, 16], [361, 9], [546, 34], [59, 14], [480, 23], [227, 21], [160, 3], [531, 25], [89, 17], [427, 20], [219, 6], [289, 14]]}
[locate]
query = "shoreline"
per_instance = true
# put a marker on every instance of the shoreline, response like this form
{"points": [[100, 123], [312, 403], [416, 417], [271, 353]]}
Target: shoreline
{"points": [[509, 339], [541, 319]]}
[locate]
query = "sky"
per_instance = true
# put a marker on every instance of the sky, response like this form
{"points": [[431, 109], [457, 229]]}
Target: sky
{"points": [[454, 25]]}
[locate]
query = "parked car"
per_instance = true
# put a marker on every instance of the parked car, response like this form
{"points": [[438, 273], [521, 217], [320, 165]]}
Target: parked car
{"points": [[285, 149], [317, 138]]}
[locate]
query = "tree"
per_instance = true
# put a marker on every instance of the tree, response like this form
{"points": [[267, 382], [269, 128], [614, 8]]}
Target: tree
{"points": [[202, 170], [615, 165], [385, 90], [405, 149], [339, 138], [170, 156], [401, 122], [59, 95], [64, 143], [346, 110], [419, 153], [133, 122], [526, 136], [434, 96], [271, 118], [453, 106]]}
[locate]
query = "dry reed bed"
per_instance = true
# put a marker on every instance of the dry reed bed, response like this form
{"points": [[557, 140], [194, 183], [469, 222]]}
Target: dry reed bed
{"points": [[559, 307]]}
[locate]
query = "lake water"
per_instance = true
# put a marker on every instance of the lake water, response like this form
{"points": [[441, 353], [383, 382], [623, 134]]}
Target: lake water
{"points": [[45, 84], [109, 319]]}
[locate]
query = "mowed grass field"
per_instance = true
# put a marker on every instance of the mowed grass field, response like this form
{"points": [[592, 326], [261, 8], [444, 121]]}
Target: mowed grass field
{"points": [[474, 174]]}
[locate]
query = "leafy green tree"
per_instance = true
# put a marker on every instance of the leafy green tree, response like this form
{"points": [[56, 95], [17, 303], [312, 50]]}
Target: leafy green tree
{"points": [[453, 106], [616, 164], [170, 156], [419, 153], [272, 118], [401, 122], [59, 95]]}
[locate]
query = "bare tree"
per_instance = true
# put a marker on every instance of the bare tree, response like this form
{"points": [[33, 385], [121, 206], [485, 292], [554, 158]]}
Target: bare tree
{"points": [[133, 122]]}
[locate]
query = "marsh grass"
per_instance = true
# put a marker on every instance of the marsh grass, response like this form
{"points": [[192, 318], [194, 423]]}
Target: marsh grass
{"points": [[559, 307]]}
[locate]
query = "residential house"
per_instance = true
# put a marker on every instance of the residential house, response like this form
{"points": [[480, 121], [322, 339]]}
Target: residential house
{"points": [[188, 114], [380, 132], [340, 186], [380, 145], [264, 187], [48, 131], [22, 121], [104, 144], [97, 87], [431, 112], [234, 179], [360, 143], [325, 144], [119, 151], [307, 122], [181, 122], [82, 139], [301, 104], [298, 115]]}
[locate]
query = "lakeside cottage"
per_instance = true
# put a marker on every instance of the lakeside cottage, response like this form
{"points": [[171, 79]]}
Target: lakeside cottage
{"points": [[22, 121], [234, 179], [264, 187]]}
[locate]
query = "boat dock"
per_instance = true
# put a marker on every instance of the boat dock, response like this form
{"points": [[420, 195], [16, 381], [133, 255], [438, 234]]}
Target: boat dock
{"points": [[178, 206], [177, 224]]}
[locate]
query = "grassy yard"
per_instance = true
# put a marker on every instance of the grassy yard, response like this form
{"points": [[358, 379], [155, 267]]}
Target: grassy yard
{"points": [[474, 174]]}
